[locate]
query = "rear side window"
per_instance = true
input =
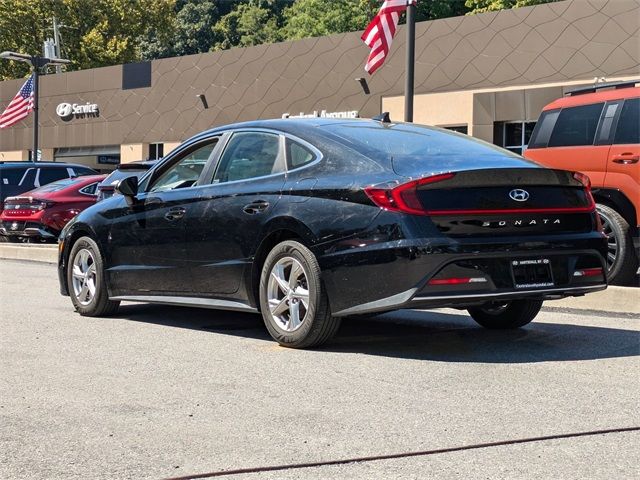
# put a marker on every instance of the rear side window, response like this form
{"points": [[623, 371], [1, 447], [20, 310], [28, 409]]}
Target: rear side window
{"points": [[89, 189], [576, 126], [11, 176], [48, 175], [28, 179], [544, 127], [628, 130], [298, 155]]}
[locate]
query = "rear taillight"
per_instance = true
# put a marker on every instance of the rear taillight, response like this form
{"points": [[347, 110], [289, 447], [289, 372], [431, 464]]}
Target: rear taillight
{"points": [[586, 182], [583, 179], [457, 280], [403, 198]]}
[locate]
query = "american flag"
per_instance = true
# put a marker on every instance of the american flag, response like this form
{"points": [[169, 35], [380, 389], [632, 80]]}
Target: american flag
{"points": [[379, 33], [20, 106]]}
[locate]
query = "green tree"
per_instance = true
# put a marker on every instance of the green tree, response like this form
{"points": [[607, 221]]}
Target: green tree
{"points": [[479, 6], [95, 32], [247, 25], [315, 18], [188, 32]]}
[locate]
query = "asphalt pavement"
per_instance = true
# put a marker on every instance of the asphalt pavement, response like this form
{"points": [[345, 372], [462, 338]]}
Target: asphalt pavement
{"points": [[160, 392]]}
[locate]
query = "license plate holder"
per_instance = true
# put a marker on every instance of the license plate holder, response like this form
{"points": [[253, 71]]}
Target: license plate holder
{"points": [[532, 273]]}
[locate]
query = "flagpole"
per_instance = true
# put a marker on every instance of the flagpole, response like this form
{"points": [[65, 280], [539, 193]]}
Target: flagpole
{"points": [[34, 153], [411, 48]]}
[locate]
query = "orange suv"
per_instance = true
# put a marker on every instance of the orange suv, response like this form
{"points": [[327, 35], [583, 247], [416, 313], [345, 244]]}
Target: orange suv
{"points": [[596, 130]]}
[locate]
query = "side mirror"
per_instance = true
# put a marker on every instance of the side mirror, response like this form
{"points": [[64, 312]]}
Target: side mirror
{"points": [[129, 188]]}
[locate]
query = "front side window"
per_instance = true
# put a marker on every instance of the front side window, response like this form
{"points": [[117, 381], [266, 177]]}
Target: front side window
{"points": [[185, 172], [628, 130], [576, 126], [249, 155]]}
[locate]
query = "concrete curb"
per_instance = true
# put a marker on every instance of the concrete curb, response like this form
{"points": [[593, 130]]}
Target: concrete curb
{"points": [[30, 252], [624, 300]]}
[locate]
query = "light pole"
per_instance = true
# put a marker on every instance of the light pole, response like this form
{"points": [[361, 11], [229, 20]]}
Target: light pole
{"points": [[36, 62]]}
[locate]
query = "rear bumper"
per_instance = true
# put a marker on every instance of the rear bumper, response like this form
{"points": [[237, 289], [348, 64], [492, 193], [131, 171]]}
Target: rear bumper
{"points": [[411, 300], [406, 272], [26, 229]]}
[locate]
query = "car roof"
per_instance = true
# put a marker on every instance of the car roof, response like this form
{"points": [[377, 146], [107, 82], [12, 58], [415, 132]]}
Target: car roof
{"points": [[13, 163], [295, 125], [594, 97]]}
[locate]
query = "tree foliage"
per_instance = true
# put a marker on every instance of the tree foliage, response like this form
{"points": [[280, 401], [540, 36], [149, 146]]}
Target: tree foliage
{"points": [[106, 32], [480, 6]]}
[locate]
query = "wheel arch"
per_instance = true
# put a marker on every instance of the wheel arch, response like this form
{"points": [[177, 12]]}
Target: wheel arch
{"points": [[278, 230], [76, 232], [620, 203]]}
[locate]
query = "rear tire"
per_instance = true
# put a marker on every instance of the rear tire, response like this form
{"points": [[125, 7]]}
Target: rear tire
{"points": [[622, 261], [86, 280], [294, 305], [507, 315]]}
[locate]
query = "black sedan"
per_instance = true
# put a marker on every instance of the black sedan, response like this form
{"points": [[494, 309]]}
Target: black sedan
{"points": [[309, 221]]}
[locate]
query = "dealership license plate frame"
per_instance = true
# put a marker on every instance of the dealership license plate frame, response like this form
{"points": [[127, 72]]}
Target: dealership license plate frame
{"points": [[532, 273]]}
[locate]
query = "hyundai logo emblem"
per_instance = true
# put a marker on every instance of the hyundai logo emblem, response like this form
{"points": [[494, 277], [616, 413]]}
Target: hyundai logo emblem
{"points": [[519, 195]]}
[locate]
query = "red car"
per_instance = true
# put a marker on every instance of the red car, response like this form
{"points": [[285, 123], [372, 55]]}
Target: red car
{"points": [[40, 214]]}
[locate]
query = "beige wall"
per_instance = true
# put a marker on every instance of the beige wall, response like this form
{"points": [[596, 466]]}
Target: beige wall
{"points": [[14, 156], [132, 152], [169, 146]]}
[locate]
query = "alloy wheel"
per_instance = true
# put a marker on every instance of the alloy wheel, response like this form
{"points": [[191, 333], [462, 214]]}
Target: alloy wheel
{"points": [[288, 294], [83, 275]]}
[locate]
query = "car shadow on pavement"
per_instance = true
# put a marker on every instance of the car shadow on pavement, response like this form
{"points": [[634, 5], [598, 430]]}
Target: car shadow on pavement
{"points": [[422, 335]]}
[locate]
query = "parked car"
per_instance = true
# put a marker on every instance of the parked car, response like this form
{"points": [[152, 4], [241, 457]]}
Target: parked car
{"points": [[42, 213], [20, 177], [312, 220], [596, 130], [106, 189]]}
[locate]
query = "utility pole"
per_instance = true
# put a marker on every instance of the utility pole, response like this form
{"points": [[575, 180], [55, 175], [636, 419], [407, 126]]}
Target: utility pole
{"points": [[410, 63]]}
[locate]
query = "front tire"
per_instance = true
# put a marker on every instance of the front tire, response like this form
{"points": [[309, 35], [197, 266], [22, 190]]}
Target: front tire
{"points": [[506, 315], [86, 280], [294, 305], [622, 262]]}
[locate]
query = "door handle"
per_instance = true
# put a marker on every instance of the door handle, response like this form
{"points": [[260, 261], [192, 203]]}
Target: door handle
{"points": [[626, 158], [258, 206], [175, 214]]}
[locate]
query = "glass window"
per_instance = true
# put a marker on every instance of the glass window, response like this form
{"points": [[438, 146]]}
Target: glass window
{"points": [[186, 171], [156, 151], [48, 175], [249, 155], [89, 189], [11, 176], [576, 126], [79, 171], [298, 155], [514, 136], [56, 186], [628, 130]]}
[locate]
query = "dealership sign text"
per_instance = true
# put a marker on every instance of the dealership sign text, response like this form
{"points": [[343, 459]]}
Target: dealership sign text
{"points": [[67, 111]]}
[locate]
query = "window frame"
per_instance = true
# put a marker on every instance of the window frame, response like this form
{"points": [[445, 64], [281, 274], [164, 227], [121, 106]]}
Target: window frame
{"points": [[595, 133], [95, 194], [283, 136], [156, 172]]}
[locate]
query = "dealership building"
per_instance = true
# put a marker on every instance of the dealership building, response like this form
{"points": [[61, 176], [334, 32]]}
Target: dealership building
{"points": [[488, 75]]}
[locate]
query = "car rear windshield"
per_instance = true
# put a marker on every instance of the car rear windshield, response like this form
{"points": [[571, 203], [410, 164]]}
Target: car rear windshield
{"points": [[419, 149], [56, 186]]}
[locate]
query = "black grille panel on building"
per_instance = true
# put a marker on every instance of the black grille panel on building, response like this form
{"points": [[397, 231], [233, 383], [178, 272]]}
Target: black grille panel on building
{"points": [[136, 75]]}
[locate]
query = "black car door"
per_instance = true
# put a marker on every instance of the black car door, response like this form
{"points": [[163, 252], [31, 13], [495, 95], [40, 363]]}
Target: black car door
{"points": [[232, 210], [147, 240]]}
